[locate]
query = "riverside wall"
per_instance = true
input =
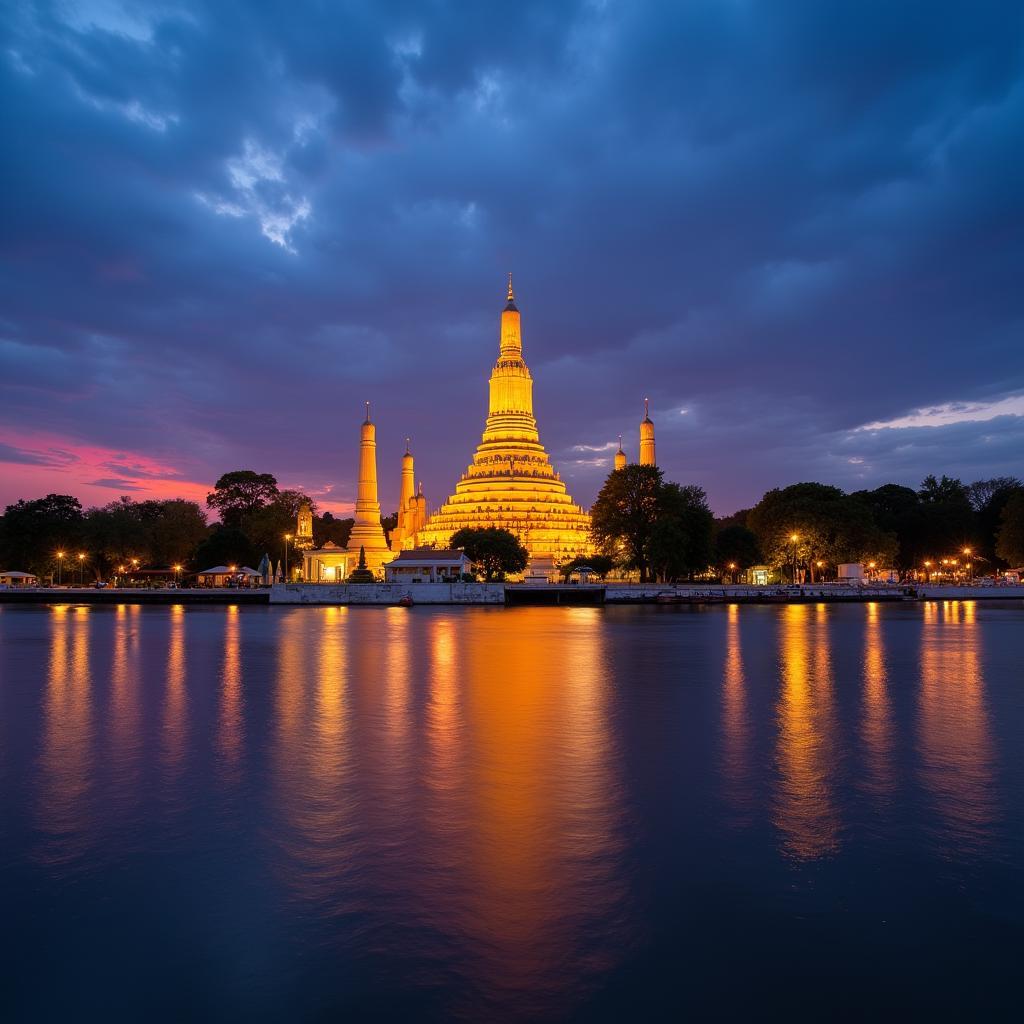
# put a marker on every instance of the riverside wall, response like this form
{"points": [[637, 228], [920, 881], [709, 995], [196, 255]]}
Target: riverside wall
{"points": [[387, 593]]}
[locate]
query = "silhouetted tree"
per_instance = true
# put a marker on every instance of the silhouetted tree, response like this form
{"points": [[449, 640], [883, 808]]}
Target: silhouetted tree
{"points": [[494, 552], [240, 492], [737, 545], [1010, 541]]}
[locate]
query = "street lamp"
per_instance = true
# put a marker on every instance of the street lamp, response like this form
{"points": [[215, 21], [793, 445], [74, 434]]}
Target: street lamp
{"points": [[967, 564], [821, 565], [81, 569], [732, 572], [793, 538], [287, 541], [928, 570], [60, 562], [177, 575]]}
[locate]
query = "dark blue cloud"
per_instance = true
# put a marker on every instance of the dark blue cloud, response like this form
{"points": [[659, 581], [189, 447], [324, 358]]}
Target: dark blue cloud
{"points": [[225, 225]]}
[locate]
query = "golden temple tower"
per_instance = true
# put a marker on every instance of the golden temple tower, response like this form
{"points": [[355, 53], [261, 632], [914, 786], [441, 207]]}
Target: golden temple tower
{"points": [[647, 438], [620, 456], [367, 533], [406, 498], [304, 527], [511, 483]]}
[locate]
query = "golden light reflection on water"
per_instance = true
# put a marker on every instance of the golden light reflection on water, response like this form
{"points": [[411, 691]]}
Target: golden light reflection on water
{"points": [[485, 806], [956, 755], [544, 803], [737, 728], [805, 806], [174, 718], [126, 753], [314, 802], [230, 723], [66, 762], [877, 724]]}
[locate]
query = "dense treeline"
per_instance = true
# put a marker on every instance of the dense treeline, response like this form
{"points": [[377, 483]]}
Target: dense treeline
{"points": [[665, 531], [254, 517], [641, 522]]}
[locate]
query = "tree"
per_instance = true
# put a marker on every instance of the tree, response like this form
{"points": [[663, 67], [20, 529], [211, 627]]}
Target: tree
{"points": [[625, 522], [981, 492], [1010, 540], [226, 545], [688, 504], [622, 517], [266, 526], [988, 498], [493, 551], [736, 545], [117, 533], [829, 526], [898, 511], [32, 532], [327, 528], [667, 550], [601, 564], [240, 492], [948, 521], [177, 532]]}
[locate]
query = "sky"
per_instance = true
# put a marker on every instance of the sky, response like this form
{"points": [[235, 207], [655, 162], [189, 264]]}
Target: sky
{"points": [[797, 228]]}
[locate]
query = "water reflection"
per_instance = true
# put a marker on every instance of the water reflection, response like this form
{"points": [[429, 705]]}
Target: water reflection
{"points": [[314, 804], [66, 762], [957, 762], [125, 757], [493, 820], [805, 807], [174, 724], [877, 725], [737, 728], [230, 724]]}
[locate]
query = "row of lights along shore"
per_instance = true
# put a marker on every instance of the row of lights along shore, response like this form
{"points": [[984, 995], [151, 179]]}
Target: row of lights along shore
{"points": [[82, 558]]}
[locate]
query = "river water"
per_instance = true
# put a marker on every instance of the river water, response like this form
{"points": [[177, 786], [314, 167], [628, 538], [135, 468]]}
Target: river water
{"points": [[489, 814]]}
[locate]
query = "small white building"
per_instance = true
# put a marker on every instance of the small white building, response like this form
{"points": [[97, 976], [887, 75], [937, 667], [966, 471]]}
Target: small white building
{"points": [[228, 575], [427, 565], [15, 578], [329, 564]]}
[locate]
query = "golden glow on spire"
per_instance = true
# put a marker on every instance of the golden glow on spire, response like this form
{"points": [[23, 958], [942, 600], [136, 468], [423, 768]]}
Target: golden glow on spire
{"points": [[511, 483], [647, 456]]}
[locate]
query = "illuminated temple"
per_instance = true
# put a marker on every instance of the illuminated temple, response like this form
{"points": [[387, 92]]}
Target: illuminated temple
{"points": [[511, 483]]}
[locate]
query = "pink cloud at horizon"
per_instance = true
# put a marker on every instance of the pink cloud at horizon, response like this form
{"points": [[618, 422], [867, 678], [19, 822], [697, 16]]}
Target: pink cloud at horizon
{"points": [[33, 465]]}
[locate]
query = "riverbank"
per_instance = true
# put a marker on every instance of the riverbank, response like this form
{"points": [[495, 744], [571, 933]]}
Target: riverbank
{"points": [[505, 594]]}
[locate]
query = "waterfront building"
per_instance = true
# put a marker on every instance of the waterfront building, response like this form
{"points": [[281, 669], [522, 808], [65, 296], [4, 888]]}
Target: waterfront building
{"points": [[327, 564], [511, 483], [367, 532], [427, 565]]}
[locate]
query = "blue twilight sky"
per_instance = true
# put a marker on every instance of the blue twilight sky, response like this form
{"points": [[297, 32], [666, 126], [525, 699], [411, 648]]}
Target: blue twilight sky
{"points": [[798, 227]]}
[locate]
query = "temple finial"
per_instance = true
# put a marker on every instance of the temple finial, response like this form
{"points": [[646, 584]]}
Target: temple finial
{"points": [[620, 442], [647, 410], [407, 446], [510, 295], [367, 420]]}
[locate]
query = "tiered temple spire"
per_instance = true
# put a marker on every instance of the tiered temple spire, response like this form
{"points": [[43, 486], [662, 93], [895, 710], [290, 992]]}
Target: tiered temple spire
{"points": [[510, 482]]}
